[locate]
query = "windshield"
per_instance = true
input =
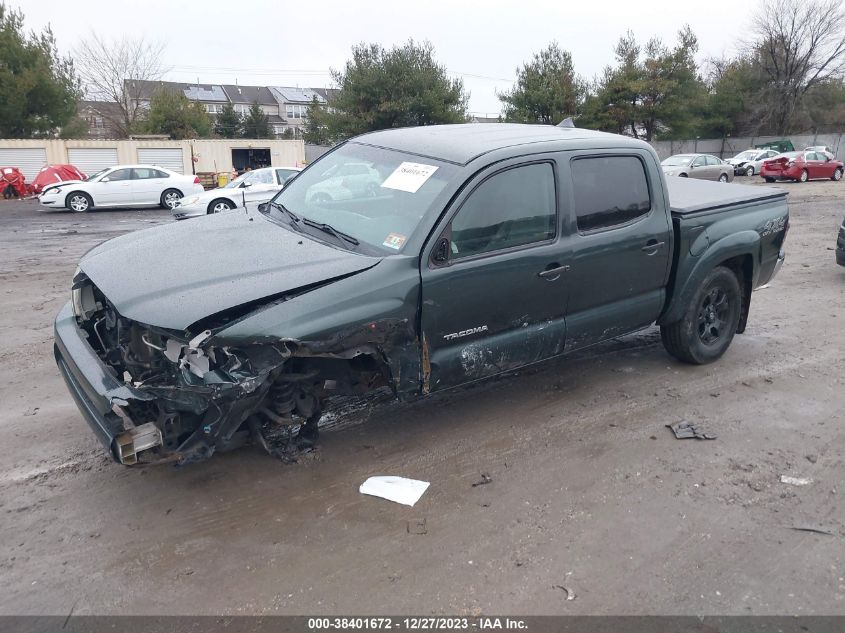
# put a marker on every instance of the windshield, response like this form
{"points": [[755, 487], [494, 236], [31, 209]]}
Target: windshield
{"points": [[748, 154], [376, 196], [98, 174], [677, 161]]}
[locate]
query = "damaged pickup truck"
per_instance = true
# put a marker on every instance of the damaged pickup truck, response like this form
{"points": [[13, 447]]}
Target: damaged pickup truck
{"points": [[414, 259]]}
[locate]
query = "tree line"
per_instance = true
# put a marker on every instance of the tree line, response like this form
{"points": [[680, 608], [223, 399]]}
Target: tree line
{"points": [[787, 76]]}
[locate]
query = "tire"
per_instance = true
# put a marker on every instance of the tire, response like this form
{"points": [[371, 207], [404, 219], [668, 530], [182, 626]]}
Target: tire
{"points": [[169, 198], [749, 171], [708, 326], [723, 178], [78, 202], [804, 176], [220, 205], [767, 179], [837, 175]]}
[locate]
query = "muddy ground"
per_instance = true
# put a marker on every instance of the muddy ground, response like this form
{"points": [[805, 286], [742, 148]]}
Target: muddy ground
{"points": [[589, 490]]}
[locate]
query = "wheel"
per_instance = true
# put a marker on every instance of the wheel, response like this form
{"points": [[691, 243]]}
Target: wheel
{"points": [[804, 176], [749, 171], [837, 175], [220, 205], [321, 198], [769, 179], [170, 197], [707, 328], [723, 178], [78, 202]]}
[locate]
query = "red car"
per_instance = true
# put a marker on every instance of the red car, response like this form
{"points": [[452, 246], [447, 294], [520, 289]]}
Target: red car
{"points": [[801, 167]]}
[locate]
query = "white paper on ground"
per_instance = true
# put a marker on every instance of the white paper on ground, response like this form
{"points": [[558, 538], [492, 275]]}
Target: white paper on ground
{"points": [[398, 489], [409, 177]]}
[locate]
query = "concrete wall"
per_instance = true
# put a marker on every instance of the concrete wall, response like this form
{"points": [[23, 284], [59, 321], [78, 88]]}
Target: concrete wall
{"points": [[313, 152], [732, 146], [210, 154]]}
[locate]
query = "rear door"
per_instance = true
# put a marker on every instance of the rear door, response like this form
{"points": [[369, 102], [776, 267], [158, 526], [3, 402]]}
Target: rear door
{"points": [[621, 245], [147, 185], [494, 278]]}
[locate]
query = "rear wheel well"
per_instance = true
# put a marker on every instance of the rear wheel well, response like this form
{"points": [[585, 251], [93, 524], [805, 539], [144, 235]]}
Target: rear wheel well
{"points": [[743, 267]]}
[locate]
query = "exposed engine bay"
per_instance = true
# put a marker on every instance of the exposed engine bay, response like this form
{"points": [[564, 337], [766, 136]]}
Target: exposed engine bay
{"points": [[191, 398]]}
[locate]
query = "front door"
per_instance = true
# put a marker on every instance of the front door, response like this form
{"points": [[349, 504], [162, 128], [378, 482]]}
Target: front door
{"points": [[621, 244], [494, 280], [116, 190]]}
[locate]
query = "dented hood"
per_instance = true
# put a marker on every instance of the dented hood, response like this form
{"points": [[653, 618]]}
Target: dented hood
{"points": [[176, 274]]}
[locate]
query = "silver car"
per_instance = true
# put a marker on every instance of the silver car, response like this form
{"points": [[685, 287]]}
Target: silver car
{"points": [[749, 162], [704, 166]]}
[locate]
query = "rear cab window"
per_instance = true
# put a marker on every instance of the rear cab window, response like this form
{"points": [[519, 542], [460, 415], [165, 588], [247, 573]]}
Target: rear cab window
{"points": [[609, 191]]}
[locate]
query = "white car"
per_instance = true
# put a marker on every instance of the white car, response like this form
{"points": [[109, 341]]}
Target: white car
{"points": [[344, 182], [750, 161], [121, 186], [252, 187], [821, 149]]}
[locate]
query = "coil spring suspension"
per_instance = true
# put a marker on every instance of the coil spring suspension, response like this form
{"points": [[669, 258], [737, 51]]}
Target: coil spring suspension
{"points": [[282, 398]]}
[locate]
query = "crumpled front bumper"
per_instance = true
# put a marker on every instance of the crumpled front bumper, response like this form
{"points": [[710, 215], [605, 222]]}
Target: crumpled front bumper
{"points": [[189, 211], [93, 387]]}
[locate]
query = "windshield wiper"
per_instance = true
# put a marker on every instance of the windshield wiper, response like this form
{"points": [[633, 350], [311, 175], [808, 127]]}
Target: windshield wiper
{"points": [[290, 213], [328, 228]]}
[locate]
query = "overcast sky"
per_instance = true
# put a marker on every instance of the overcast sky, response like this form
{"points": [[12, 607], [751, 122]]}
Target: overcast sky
{"points": [[265, 42]]}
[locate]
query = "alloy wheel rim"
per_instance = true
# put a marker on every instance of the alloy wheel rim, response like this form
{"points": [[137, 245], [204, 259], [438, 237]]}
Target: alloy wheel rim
{"points": [[78, 203], [713, 313], [221, 206], [170, 199]]}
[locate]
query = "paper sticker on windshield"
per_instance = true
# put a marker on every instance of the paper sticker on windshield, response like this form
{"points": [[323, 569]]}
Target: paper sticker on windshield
{"points": [[409, 177], [394, 240]]}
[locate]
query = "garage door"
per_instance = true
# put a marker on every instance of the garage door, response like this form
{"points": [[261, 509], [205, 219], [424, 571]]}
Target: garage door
{"points": [[168, 158], [29, 160], [90, 160]]}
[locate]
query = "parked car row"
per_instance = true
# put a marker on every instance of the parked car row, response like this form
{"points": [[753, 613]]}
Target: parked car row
{"points": [[809, 164], [151, 185]]}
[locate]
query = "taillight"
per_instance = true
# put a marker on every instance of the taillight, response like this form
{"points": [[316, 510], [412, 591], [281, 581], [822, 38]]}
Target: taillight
{"points": [[196, 180]]}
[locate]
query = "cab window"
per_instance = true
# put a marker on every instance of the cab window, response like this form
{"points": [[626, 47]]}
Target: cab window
{"points": [[512, 208], [119, 174], [609, 191]]}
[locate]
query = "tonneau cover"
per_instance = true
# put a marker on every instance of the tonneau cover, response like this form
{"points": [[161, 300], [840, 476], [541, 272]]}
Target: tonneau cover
{"points": [[687, 195]]}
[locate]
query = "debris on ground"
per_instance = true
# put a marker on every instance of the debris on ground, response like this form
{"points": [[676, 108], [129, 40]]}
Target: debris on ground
{"points": [[685, 429], [570, 595], [795, 481], [417, 526], [398, 489], [485, 479], [813, 528]]}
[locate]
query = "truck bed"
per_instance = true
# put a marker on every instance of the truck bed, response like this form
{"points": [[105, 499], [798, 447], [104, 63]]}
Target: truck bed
{"points": [[688, 196]]}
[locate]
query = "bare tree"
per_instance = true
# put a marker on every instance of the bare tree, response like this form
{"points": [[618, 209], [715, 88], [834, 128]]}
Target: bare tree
{"points": [[117, 71], [799, 44]]}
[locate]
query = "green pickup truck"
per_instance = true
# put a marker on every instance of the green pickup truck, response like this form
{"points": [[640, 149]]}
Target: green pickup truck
{"points": [[416, 260]]}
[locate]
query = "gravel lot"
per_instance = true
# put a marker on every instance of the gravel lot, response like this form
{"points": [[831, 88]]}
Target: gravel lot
{"points": [[589, 490]]}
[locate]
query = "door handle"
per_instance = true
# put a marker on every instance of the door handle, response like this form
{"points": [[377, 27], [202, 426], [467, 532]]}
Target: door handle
{"points": [[553, 273], [652, 247]]}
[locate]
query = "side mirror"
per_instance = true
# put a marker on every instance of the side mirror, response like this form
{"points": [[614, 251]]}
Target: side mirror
{"points": [[263, 207], [440, 254], [244, 185]]}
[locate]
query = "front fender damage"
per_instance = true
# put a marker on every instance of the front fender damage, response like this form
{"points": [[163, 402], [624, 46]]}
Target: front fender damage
{"points": [[189, 398]]}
